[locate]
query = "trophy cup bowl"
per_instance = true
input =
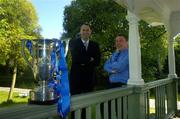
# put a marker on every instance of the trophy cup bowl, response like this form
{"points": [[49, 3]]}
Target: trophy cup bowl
{"points": [[40, 61]]}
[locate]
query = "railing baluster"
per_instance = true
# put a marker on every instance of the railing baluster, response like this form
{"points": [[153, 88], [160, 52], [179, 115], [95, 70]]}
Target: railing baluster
{"points": [[113, 110], [160, 102], [147, 97], [78, 114], [67, 117], [125, 111], [161, 99], [98, 112], [164, 99], [88, 113], [119, 108], [106, 112], [156, 103], [148, 103]]}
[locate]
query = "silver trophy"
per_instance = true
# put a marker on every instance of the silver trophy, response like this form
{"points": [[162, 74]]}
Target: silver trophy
{"points": [[37, 53]]}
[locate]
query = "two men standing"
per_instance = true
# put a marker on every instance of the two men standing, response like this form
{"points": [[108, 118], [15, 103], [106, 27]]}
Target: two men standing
{"points": [[86, 56]]}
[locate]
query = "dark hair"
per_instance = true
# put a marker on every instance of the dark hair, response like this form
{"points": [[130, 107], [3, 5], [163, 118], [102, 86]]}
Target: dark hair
{"points": [[86, 23], [125, 36]]}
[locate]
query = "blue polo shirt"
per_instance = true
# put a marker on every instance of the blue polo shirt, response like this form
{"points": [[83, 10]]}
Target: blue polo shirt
{"points": [[119, 61]]}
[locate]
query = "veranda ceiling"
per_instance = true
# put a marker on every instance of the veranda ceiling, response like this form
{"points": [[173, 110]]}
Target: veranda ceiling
{"points": [[156, 12]]}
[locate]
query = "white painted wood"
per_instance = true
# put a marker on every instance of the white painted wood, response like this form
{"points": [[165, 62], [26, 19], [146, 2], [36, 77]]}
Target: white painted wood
{"points": [[125, 109], [134, 51], [155, 12], [88, 113], [106, 113], [67, 117], [171, 61], [173, 30], [78, 114], [98, 112], [113, 110], [119, 108]]}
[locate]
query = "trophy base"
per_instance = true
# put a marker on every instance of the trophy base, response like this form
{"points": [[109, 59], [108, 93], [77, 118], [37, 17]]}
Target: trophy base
{"points": [[43, 95], [46, 102]]}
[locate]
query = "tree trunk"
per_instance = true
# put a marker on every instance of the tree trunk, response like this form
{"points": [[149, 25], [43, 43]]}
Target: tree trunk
{"points": [[13, 83]]}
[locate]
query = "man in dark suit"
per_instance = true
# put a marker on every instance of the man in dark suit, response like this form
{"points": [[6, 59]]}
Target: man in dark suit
{"points": [[85, 57]]}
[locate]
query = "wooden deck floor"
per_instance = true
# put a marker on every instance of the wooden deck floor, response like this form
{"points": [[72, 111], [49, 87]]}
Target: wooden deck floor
{"points": [[26, 111]]}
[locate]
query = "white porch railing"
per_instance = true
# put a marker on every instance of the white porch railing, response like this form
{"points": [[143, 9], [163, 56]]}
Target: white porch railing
{"points": [[130, 102]]}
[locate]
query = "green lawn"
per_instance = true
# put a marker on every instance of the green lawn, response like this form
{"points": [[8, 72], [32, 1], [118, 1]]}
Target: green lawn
{"points": [[16, 99], [152, 110]]}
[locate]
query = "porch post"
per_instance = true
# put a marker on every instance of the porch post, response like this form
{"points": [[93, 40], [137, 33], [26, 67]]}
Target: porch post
{"points": [[173, 30], [171, 60], [134, 51]]}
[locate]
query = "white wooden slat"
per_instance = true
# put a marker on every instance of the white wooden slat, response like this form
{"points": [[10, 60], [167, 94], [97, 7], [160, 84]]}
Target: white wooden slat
{"points": [[78, 114], [113, 110], [98, 112], [125, 110], [119, 108], [106, 112], [67, 117], [88, 113]]}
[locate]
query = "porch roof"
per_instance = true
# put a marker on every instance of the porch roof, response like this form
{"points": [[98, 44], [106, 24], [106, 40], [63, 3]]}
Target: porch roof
{"points": [[156, 12]]}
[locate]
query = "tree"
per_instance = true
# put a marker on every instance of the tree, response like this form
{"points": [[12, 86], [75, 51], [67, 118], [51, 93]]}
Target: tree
{"points": [[153, 50], [18, 20]]}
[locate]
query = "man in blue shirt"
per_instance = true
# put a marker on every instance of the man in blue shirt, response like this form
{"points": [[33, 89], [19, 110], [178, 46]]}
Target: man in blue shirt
{"points": [[117, 65]]}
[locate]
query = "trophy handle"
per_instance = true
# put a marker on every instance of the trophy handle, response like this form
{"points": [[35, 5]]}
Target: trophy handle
{"points": [[24, 54], [67, 46]]}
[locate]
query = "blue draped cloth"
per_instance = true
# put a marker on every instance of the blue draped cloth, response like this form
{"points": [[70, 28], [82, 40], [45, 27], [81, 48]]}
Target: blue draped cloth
{"points": [[61, 87]]}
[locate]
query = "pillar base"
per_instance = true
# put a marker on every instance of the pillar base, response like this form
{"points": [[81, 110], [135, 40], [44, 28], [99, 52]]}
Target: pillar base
{"points": [[172, 75], [135, 82]]}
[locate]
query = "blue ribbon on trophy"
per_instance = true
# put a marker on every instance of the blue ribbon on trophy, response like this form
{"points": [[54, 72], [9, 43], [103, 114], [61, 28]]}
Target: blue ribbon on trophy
{"points": [[59, 72]]}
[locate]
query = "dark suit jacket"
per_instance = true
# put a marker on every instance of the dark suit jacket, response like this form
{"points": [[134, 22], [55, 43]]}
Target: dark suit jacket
{"points": [[82, 72]]}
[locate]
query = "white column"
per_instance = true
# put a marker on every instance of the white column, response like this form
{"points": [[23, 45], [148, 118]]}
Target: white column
{"points": [[173, 29], [134, 51], [171, 60]]}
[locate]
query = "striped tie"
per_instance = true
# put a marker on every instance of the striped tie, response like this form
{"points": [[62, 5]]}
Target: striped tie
{"points": [[86, 44]]}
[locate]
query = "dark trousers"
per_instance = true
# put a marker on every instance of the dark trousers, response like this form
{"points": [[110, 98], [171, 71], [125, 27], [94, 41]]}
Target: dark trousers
{"points": [[115, 85]]}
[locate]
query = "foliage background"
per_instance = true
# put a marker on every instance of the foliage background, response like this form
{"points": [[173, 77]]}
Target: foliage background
{"points": [[107, 19]]}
